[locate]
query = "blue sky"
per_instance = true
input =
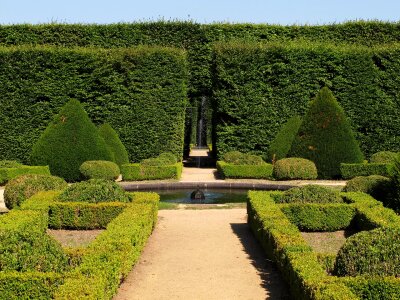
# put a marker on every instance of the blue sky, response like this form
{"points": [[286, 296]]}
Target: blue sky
{"points": [[206, 11]]}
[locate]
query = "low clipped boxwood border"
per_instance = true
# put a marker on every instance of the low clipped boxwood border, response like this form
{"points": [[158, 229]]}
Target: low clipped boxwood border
{"points": [[349, 171], [299, 265], [74, 215], [112, 254], [107, 260], [139, 172], [233, 171], [7, 174]]}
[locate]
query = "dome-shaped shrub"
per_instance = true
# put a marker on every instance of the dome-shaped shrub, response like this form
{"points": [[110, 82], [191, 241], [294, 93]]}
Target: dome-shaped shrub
{"points": [[69, 140], [115, 145], [377, 186], [99, 169], [29, 250], [19, 189], [372, 253], [294, 168], [283, 140], [94, 191], [325, 137], [311, 194], [383, 157]]}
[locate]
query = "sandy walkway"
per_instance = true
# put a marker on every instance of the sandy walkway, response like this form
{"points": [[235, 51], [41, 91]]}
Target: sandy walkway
{"points": [[203, 254]]}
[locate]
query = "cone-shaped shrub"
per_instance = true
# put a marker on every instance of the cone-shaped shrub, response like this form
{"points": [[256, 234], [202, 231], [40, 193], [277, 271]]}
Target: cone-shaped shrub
{"points": [[325, 136], [115, 145], [280, 146], [69, 140]]}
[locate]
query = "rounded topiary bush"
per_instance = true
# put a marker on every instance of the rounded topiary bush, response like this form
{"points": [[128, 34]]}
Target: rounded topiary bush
{"points": [[239, 158], [115, 145], [311, 194], [377, 186], [372, 253], [9, 164], [69, 140], [94, 191], [282, 142], [325, 137], [99, 169], [27, 251], [19, 189], [383, 157], [294, 168]]}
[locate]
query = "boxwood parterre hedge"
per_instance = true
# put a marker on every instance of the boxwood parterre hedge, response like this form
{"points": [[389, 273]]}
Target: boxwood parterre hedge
{"points": [[301, 267], [97, 271], [141, 92]]}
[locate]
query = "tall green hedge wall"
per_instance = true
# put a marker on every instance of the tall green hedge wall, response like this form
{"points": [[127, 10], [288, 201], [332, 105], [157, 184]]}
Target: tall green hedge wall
{"points": [[141, 92], [257, 87], [197, 39]]}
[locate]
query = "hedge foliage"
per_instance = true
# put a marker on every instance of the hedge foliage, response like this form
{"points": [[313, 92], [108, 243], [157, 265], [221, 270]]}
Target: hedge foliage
{"points": [[8, 173], [234, 171], [325, 136], [310, 193], [257, 86], [295, 259], [239, 158], [94, 191], [68, 141], [372, 253], [383, 157], [78, 216], [303, 269], [140, 172], [196, 39], [294, 168], [111, 255], [349, 171], [141, 92], [29, 285], [281, 144], [377, 186], [396, 183], [21, 188], [319, 217], [75, 215], [99, 169], [25, 246], [115, 145]]}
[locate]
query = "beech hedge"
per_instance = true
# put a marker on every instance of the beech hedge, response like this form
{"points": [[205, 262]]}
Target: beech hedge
{"points": [[141, 92]]}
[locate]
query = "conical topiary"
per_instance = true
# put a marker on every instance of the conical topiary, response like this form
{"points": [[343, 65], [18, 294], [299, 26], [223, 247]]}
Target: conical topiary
{"points": [[282, 142], [69, 140], [115, 145], [325, 136]]}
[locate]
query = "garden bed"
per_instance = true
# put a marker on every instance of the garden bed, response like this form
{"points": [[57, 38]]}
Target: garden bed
{"points": [[303, 269], [94, 272]]}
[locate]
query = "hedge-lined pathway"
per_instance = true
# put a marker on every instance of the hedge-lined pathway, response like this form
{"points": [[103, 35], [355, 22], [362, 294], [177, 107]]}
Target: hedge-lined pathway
{"points": [[203, 254]]}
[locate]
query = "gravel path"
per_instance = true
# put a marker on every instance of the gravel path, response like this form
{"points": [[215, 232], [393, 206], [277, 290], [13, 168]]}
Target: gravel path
{"points": [[203, 254]]}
